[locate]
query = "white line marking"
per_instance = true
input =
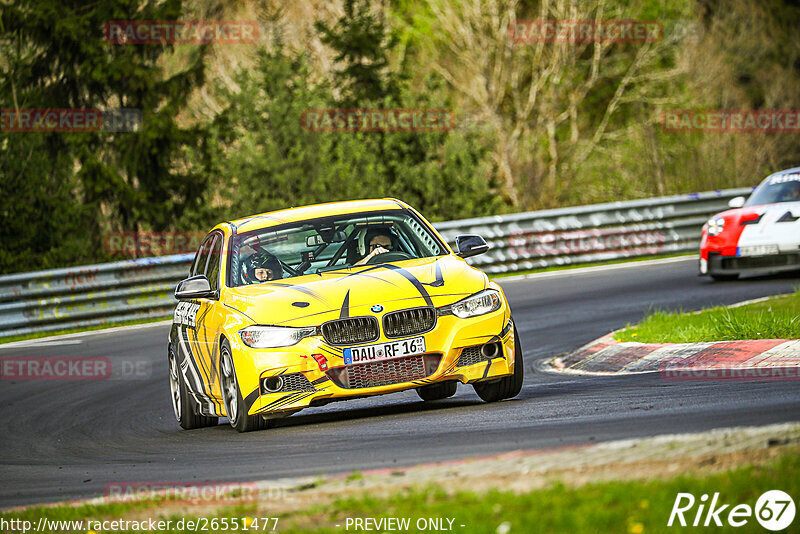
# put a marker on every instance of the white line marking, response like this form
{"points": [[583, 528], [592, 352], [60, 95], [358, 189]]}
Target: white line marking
{"points": [[36, 343], [88, 333], [595, 269]]}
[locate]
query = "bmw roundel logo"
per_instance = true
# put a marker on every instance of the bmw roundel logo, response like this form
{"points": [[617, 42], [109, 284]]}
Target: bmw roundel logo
{"points": [[376, 308]]}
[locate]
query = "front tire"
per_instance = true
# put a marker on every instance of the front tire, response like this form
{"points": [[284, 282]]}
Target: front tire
{"points": [[438, 391], [508, 386], [232, 395], [183, 406]]}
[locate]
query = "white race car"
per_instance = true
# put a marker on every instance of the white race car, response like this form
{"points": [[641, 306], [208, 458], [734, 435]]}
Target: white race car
{"points": [[759, 235]]}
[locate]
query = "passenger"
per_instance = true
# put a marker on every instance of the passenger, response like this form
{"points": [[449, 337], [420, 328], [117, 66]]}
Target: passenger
{"points": [[261, 266]]}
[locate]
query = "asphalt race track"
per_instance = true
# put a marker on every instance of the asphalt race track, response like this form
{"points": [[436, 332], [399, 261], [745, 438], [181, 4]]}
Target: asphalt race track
{"points": [[65, 440]]}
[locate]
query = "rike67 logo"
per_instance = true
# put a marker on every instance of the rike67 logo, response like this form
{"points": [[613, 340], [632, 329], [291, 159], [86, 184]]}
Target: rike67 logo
{"points": [[774, 510]]}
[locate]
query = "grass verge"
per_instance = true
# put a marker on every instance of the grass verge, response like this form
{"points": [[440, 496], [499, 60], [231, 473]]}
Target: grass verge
{"points": [[633, 507], [775, 318]]}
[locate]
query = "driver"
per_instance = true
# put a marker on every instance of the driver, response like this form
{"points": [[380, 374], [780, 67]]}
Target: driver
{"points": [[378, 242], [793, 193], [261, 266]]}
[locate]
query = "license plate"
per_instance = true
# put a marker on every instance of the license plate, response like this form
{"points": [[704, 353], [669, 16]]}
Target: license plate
{"points": [[384, 351], [758, 250]]}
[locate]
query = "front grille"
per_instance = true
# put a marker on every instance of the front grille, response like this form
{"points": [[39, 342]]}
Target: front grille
{"points": [[351, 331], [296, 382], [409, 322], [472, 355], [758, 262], [386, 372], [291, 382]]}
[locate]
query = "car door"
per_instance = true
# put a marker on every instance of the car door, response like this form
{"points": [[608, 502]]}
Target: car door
{"points": [[209, 324], [199, 320]]}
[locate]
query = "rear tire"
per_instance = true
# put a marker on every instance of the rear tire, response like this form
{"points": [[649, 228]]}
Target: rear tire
{"points": [[508, 386], [232, 395], [725, 277], [438, 391], [183, 405]]}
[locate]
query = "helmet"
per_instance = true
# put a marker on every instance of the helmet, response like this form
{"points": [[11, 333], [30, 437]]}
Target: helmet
{"points": [[261, 260]]}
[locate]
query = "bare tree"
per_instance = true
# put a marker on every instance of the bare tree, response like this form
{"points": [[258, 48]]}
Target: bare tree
{"points": [[554, 103]]}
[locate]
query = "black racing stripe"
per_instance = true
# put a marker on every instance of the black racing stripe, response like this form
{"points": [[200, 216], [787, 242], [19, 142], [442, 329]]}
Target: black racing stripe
{"points": [[251, 399], [335, 275], [276, 401], [439, 282], [301, 289], [332, 351], [298, 399], [304, 316], [239, 311], [198, 388], [345, 311], [215, 361], [206, 373], [288, 399], [414, 281], [368, 269], [506, 329], [379, 279], [486, 371]]}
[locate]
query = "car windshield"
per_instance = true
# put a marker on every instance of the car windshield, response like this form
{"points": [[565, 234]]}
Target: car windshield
{"points": [[780, 188], [316, 246]]}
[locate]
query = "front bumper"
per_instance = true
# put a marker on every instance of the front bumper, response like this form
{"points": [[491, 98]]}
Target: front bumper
{"points": [[718, 263], [451, 354]]}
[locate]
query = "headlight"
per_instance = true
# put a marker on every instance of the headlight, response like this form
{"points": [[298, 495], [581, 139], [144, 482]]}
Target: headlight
{"points": [[268, 337], [715, 226], [481, 303]]}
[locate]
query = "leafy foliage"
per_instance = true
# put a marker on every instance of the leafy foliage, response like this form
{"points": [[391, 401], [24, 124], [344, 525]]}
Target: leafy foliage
{"points": [[63, 190], [558, 124]]}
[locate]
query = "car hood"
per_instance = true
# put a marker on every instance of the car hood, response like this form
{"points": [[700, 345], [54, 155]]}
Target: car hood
{"points": [[779, 209], [316, 298]]}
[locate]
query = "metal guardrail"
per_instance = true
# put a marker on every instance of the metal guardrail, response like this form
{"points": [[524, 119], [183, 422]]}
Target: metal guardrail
{"points": [[81, 297]]}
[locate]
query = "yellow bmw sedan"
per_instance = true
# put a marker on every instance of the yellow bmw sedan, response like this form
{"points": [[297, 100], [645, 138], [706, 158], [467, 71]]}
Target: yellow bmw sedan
{"points": [[311, 305]]}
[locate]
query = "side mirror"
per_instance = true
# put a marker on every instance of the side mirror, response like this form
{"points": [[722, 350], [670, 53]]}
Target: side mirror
{"points": [[737, 202], [471, 245], [196, 287]]}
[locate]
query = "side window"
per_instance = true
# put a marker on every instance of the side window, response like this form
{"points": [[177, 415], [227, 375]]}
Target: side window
{"points": [[212, 271], [199, 266]]}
